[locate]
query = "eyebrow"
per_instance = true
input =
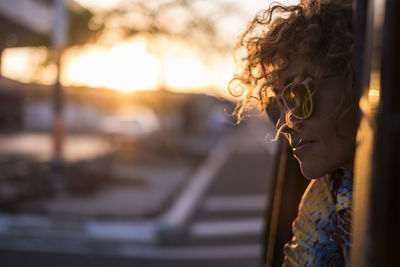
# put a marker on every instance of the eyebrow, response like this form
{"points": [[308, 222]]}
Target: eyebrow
{"points": [[286, 83], [289, 80]]}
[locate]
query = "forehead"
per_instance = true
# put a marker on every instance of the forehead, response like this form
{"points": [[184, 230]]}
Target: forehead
{"points": [[285, 78]]}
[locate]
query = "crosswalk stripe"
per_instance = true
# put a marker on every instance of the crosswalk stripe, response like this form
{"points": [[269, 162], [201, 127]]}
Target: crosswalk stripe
{"points": [[234, 203], [239, 227]]}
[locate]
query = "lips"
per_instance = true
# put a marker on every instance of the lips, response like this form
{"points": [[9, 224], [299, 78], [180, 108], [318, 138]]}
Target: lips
{"points": [[301, 145]]}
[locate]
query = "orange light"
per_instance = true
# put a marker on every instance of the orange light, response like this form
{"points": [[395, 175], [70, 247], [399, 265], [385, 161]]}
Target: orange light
{"points": [[374, 89]]}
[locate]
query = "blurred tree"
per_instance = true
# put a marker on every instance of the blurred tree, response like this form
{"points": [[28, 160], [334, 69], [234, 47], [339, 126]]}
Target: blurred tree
{"points": [[79, 32], [196, 22], [199, 24]]}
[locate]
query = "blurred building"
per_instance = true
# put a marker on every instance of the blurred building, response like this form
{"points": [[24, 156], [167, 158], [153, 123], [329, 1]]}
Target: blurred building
{"points": [[30, 23], [11, 106], [19, 28]]}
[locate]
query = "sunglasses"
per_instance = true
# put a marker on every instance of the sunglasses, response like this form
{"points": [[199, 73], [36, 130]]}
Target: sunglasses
{"points": [[296, 97]]}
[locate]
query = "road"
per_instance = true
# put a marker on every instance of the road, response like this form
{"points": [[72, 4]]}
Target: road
{"points": [[224, 227]]}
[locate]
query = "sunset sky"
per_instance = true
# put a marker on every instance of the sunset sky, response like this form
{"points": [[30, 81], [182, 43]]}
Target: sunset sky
{"points": [[129, 65]]}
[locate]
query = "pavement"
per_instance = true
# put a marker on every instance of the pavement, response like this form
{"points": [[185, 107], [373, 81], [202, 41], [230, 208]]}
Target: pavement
{"points": [[39, 146], [146, 196], [210, 210]]}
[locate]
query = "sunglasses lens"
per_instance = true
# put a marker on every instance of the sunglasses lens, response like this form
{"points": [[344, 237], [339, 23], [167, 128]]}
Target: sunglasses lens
{"points": [[298, 100], [273, 110]]}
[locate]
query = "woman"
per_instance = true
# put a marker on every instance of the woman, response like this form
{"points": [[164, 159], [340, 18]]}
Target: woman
{"points": [[297, 61]]}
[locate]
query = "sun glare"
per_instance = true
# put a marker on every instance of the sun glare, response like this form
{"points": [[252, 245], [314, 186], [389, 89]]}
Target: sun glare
{"points": [[18, 65], [185, 73], [126, 67]]}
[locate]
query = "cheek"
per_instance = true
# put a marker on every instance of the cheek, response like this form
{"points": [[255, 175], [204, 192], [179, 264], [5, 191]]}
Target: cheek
{"points": [[334, 150], [328, 137], [337, 137], [324, 124]]}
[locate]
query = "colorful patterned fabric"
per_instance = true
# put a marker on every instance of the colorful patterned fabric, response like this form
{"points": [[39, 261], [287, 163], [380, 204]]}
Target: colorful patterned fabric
{"points": [[321, 231]]}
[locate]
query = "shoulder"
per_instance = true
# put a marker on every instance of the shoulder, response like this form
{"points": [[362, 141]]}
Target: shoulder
{"points": [[317, 200], [313, 228]]}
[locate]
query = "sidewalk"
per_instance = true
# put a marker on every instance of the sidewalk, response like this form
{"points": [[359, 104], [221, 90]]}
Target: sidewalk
{"points": [[38, 146], [149, 199], [137, 183], [118, 213], [145, 192]]}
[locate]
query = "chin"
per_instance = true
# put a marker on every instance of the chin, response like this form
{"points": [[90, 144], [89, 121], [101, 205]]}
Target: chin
{"points": [[311, 172]]}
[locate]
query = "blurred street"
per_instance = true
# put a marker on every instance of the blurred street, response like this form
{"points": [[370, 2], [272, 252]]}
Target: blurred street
{"points": [[221, 224]]}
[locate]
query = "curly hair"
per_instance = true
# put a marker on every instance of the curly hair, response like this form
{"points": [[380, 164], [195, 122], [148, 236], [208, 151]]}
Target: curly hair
{"points": [[319, 33]]}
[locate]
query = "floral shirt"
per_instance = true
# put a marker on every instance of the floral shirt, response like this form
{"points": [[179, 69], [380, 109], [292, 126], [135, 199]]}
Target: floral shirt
{"points": [[322, 231]]}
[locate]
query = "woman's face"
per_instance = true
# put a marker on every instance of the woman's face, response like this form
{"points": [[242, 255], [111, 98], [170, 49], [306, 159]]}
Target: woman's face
{"points": [[321, 143]]}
